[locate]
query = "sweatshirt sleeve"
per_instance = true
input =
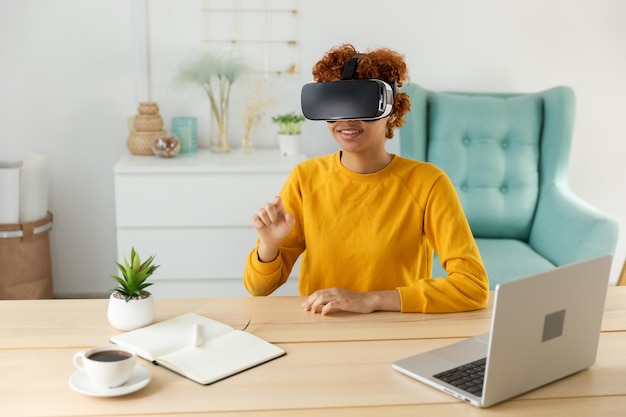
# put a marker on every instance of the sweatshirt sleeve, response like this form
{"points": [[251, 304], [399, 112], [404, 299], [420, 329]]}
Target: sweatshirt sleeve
{"points": [[466, 286], [263, 278]]}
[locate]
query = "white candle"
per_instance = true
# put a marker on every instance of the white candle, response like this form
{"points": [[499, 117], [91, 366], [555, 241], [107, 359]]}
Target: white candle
{"points": [[9, 192], [33, 188]]}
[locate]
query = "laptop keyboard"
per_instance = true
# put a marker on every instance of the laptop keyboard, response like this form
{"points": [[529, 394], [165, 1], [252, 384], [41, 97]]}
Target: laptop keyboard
{"points": [[468, 377]]}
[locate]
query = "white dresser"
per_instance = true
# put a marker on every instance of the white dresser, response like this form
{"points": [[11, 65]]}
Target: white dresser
{"points": [[193, 212]]}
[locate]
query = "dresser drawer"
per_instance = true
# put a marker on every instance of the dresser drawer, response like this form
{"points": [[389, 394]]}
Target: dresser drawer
{"points": [[191, 253], [192, 200]]}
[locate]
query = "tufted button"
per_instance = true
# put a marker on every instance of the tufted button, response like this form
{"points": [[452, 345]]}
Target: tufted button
{"points": [[503, 189], [505, 144], [466, 141], [464, 187]]}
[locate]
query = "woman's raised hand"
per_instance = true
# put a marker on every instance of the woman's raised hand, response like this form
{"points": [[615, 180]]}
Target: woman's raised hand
{"points": [[272, 224]]}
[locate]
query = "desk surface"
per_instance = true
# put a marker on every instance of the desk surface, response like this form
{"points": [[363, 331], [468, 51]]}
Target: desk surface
{"points": [[335, 365]]}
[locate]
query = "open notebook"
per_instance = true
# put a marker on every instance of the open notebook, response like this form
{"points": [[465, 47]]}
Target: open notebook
{"points": [[199, 348]]}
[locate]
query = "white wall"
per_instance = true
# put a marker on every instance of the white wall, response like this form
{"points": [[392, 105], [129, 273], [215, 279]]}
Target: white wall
{"points": [[66, 84], [69, 79]]}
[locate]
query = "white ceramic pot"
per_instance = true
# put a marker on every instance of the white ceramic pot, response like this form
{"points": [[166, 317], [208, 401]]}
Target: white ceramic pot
{"points": [[289, 144], [130, 315]]}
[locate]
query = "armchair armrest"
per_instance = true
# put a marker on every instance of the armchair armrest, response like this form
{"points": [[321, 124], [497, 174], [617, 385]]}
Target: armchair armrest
{"points": [[567, 230]]}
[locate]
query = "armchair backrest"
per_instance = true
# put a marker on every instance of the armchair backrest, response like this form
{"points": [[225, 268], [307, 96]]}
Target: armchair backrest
{"points": [[498, 150]]}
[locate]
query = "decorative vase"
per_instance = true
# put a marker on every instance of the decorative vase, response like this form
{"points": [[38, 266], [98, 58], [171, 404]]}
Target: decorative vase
{"points": [[246, 145], [185, 129], [130, 315], [219, 131], [289, 144]]}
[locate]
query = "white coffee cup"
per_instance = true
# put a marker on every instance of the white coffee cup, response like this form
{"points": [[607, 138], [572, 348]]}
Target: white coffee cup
{"points": [[106, 366]]}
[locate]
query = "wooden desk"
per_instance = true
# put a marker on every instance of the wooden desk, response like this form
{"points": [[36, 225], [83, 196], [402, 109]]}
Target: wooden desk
{"points": [[336, 365]]}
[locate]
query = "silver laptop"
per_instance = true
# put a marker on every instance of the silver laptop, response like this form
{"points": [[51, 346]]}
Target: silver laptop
{"points": [[544, 327]]}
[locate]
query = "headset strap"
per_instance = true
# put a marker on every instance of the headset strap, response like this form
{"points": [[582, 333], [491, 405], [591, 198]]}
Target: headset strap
{"points": [[350, 67], [394, 88]]}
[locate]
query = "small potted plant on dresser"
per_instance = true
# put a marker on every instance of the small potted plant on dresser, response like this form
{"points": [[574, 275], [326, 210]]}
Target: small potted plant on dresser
{"points": [[130, 305], [289, 132]]}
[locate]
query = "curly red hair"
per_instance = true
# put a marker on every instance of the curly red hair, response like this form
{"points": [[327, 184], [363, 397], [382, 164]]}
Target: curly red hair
{"points": [[383, 64]]}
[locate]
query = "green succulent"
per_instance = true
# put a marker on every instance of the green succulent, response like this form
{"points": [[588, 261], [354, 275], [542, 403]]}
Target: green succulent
{"points": [[134, 275], [289, 124]]}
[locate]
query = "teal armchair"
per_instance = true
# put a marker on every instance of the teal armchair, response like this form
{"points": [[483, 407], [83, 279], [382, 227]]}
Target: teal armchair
{"points": [[507, 155]]}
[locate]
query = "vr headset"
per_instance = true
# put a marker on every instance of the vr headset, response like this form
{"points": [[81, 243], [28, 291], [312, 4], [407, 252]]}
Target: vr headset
{"points": [[348, 99]]}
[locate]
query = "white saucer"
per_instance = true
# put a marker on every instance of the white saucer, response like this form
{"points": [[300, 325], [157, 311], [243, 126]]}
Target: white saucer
{"points": [[80, 382]]}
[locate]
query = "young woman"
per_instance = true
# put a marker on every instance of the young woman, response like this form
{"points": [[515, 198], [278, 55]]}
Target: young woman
{"points": [[365, 221]]}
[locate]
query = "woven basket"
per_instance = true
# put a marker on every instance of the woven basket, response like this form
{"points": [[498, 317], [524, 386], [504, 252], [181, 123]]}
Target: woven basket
{"points": [[140, 143], [148, 123], [25, 260], [148, 107]]}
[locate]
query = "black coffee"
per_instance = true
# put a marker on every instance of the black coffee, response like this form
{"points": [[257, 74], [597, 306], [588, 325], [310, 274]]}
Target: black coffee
{"points": [[109, 356]]}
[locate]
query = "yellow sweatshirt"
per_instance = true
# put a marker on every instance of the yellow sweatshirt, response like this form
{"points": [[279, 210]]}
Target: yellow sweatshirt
{"points": [[372, 232]]}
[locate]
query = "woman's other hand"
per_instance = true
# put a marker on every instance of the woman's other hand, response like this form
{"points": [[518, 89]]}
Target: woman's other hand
{"points": [[339, 299]]}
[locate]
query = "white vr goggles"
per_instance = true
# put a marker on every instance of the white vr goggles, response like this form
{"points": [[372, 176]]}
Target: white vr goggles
{"points": [[348, 99]]}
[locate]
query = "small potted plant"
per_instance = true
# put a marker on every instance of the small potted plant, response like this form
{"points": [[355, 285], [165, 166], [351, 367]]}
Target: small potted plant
{"points": [[130, 305], [289, 132]]}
